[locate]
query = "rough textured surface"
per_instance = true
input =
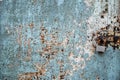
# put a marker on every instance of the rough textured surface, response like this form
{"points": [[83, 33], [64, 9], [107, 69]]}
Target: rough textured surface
{"points": [[47, 40]]}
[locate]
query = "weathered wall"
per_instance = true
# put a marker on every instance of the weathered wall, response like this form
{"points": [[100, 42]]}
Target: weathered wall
{"points": [[49, 38]]}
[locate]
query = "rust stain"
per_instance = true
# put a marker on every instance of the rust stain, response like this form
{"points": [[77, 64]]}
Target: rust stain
{"points": [[42, 37], [31, 25], [49, 51], [33, 75], [30, 76]]}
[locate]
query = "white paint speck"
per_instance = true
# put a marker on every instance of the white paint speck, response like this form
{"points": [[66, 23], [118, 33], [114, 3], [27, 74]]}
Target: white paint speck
{"points": [[60, 2]]}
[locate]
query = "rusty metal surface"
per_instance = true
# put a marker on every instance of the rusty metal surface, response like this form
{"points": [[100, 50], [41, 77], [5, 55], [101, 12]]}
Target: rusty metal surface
{"points": [[47, 40]]}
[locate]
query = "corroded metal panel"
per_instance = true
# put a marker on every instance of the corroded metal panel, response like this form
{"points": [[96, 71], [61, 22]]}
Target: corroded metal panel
{"points": [[48, 40]]}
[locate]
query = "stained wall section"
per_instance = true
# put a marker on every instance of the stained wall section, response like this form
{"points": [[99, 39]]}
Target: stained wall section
{"points": [[50, 38]]}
